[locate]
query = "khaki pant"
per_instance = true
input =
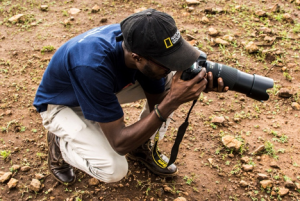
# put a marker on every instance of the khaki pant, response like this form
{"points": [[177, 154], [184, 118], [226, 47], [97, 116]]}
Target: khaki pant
{"points": [[82, 142]]}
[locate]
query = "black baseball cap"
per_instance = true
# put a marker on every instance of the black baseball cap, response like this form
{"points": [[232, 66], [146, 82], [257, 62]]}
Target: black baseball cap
{"points": [[151, 33]]}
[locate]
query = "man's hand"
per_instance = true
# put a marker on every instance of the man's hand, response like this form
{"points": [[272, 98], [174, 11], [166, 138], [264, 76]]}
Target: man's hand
{"points": [[210, 85], [183, 91]]}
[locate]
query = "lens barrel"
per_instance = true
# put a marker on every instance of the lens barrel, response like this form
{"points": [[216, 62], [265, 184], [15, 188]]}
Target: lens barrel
{"points": [[254, 86]]}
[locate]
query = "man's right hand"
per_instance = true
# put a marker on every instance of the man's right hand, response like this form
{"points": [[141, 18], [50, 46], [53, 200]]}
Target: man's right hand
{"points": [[183, 91]]}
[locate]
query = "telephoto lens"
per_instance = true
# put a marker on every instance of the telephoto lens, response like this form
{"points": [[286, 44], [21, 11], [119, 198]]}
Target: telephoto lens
{"points": [[254, 86]]}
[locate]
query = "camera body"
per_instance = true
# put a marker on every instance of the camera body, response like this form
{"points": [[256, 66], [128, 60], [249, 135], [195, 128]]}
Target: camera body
{"points": [[254, 86]]}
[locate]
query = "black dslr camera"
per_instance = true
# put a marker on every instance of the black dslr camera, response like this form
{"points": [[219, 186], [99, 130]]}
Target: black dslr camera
{"points": [[254, 86]]}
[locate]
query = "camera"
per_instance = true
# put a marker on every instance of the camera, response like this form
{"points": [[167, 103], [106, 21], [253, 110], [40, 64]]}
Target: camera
{"points": [[253, 86]]}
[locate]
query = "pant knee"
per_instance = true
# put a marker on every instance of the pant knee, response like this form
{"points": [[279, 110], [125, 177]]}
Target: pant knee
{"points": [[114, 170]]}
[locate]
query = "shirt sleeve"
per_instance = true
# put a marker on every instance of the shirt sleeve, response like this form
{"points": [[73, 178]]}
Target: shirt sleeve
{"points": [[149, 85], [94, 91]]}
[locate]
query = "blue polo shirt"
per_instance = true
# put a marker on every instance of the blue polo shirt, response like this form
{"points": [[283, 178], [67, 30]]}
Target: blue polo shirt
{"points": [[88, 71]]}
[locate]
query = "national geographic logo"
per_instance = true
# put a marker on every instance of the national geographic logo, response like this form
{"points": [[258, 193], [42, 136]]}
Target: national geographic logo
{"points": [[170, 41]]}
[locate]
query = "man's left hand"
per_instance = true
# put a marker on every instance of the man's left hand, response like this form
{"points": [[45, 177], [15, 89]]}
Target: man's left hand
{"points": [[210, 84]]}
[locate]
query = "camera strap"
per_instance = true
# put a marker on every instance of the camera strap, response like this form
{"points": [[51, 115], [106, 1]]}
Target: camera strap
{"points": [[181, 131]]}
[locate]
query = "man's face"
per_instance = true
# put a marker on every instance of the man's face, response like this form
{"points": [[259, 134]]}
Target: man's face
{"points": [[154, 70]]}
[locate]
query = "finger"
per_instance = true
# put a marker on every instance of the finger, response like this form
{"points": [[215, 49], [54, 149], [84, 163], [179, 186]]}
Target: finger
{"points": [[200, 76], [210, 81], [225, 89], [220, 84]]}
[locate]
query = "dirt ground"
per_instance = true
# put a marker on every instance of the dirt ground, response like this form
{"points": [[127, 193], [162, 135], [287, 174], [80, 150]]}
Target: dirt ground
{"points": [[208, 170]]}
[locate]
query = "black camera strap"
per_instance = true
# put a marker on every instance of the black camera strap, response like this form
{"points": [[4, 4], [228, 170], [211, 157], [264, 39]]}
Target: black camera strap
{"points": [[181, 131]]}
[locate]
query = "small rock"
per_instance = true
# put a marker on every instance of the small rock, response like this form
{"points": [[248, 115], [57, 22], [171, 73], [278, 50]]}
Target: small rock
{"points": [[39, 176], [269, 39], [16, 167], [73, 11], [95, 9], [210, 160], [8, 112], [218, 120], [275, 8], [67, 22], [93, 182], [222, 42], [266, 30], [16, 18], [295, 106], [25, 168], [230, 142], [245, 159], [228, 38], [261, 176], [258, 149], [283, 191], [266, 183], [258, 158], [297, 2], [231, 155], [274, 165], [204, 20], [44, 7], [213, 32], [6, 176], [180, 199], [284, 93], [260, 13], [192, 2], [35, 185], [287, 17], [167, 188], [190, 37], [289, 184], [103, 20], [243, 183], [283, 69], [12, 183], [297, 185], [190, 9], [247, 168], [273, 193], [251, 47]]}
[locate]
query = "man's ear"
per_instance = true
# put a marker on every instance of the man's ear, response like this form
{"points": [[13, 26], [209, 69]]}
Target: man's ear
{"points": [[136, 57]]}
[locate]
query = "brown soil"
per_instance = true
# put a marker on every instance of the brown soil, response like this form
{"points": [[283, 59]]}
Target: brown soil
{"points": [[22, 64]]}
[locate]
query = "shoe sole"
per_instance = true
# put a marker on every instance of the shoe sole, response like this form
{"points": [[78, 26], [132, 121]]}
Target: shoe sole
{"points": [[64, 183], [155, 172]]}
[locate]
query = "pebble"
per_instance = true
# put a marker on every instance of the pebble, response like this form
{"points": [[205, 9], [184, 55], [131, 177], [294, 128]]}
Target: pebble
{"points": [[221, 41], [245, 159], [251, 47], [39, 176], [287, 17], [213, 32], [243, 183], [285, 93], [260, 13], [295, 106], [35, 185], [258, 149], [93, 182], [16, 167], [12, 183], [204, 20], [192, 2], [73, 11], [103, 20], [44, 7], [266, 183], [261, 176], [95, 9], [283, 191], [230, 142], [6, 176], [247, 168], [289, 184], [25, 168], [180, 199], [16, 18]]}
